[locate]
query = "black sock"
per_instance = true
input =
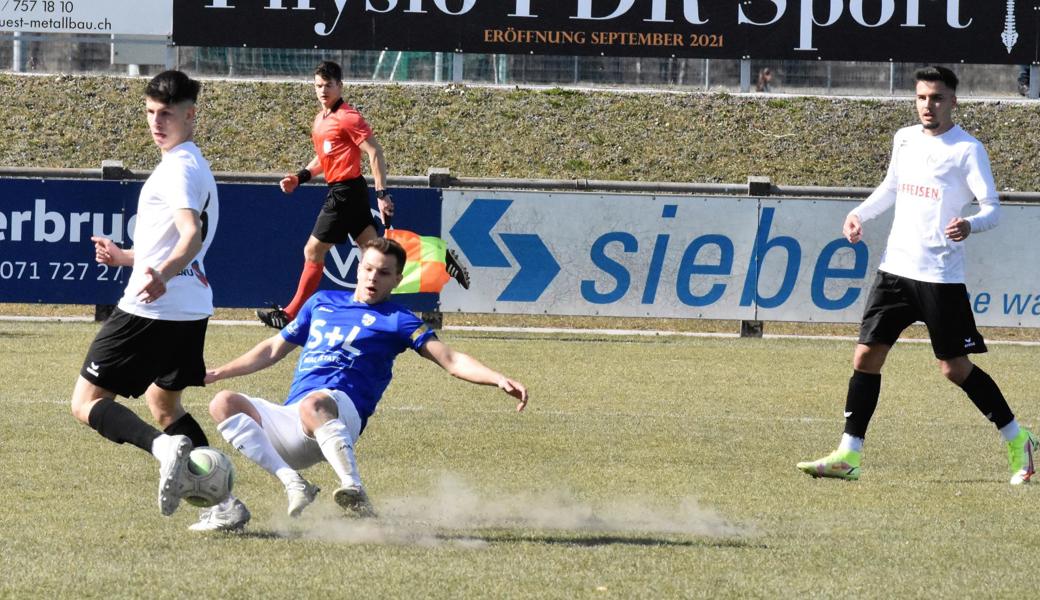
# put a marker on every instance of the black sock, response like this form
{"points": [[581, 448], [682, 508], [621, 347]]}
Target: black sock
{"points": [[187, 425], [862, 399], [986, 396], [120, 424]]}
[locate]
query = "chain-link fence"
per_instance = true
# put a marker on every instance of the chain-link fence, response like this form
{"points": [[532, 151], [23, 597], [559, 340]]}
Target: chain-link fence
{"points": [[66, 53]]}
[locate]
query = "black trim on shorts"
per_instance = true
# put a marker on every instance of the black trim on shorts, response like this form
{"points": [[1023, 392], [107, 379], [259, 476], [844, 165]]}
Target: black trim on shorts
{"points": [[130, 353], [897, 302], [346, 212]]}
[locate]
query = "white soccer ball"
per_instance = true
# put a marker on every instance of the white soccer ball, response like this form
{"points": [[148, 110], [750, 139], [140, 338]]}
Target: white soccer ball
{"points": [[209, 477]]}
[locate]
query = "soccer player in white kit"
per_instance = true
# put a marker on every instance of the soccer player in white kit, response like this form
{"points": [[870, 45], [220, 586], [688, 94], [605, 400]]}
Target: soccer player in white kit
{"points": [[935, 171], [152, 344], [348, 343]]}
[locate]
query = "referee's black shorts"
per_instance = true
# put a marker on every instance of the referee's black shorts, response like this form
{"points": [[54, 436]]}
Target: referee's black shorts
{"points": [[346, 212], [896, 302], [130, 353]]}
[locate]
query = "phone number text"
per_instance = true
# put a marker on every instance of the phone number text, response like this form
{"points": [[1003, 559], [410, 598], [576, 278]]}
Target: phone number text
{"points": [[57, 271]]}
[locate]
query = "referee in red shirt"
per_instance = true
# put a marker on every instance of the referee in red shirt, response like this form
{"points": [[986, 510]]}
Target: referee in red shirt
{"points": [[340, 136]]}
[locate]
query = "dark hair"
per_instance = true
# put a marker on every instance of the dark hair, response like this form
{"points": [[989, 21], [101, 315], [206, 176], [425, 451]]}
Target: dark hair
{"points": [[937, 73], [390, 247], [329, 71], [172, 87]]}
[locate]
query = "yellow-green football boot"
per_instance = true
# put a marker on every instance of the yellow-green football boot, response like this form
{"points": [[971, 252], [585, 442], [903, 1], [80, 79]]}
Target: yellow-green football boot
{"points": [[840, 464], [1020, 457]]}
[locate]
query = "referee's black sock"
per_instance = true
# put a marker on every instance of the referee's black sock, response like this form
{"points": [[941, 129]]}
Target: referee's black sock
{"points": [[120, 424], [986, 396], [187, 425], [864, 390]]}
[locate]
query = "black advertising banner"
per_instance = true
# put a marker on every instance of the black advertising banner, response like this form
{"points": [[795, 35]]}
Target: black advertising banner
{"points": [[950, 31]]}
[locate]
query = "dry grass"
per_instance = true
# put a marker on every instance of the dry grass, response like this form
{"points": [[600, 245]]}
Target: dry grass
{"points": [[643, 468], [513, 133]]}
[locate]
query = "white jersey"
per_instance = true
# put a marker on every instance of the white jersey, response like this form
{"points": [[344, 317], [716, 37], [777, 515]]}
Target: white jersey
{"points": [[930, 180], [182, 180]]}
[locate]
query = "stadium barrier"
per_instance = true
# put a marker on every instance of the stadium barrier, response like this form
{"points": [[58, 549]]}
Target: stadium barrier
{"points": [[750, 252]]}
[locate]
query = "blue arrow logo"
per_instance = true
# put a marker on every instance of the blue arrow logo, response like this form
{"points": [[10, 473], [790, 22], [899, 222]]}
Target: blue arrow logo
{"points": [[538, 267], [472, 232]]}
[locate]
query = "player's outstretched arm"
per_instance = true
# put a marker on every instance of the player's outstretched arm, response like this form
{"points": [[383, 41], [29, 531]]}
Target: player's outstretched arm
{"points": [[261, 356], [467, 368]]}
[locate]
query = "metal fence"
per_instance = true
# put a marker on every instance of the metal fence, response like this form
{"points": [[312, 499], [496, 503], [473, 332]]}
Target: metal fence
{"points": [[67, 53]]}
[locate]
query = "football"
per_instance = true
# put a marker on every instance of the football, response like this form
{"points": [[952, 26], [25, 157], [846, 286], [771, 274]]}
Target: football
{"points": [[209, 477]]}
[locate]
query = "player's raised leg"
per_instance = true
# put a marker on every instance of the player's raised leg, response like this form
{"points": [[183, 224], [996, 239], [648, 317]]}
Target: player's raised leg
{"points": [[96, 407]]}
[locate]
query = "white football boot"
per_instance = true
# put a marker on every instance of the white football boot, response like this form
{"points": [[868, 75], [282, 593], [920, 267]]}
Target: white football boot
{"points": [[229, 515], [301, 493], [173, 463]]}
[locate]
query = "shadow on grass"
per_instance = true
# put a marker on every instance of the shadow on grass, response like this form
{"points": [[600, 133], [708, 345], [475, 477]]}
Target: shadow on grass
{"points": [[18, 334], [612, 540], [506, 537]]}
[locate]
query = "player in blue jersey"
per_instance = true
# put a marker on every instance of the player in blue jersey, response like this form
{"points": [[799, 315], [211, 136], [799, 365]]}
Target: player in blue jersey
{"points": [[349, 343]]}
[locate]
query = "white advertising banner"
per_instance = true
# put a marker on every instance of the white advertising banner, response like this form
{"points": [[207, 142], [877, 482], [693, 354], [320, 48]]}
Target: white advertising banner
{"points": [[129, 17], [695, 257]]}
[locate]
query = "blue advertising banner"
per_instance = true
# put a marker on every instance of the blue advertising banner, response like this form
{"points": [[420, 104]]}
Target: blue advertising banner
{"points": [[674, 256], [46, 254]]}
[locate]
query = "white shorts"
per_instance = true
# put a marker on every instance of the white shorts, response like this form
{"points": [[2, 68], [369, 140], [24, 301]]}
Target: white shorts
{"points": [[282, 425]]}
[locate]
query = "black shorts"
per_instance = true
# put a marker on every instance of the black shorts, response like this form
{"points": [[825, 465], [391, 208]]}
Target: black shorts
{"points": [[896, 302], [346, 212], [130, 353]]}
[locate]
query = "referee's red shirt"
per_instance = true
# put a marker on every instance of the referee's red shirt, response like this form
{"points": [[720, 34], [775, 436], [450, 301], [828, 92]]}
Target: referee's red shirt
{"points": [[336, 140]]}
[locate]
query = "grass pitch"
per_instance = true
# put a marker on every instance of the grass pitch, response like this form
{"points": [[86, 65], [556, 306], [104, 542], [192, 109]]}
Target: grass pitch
{"points": [[658, 468]]}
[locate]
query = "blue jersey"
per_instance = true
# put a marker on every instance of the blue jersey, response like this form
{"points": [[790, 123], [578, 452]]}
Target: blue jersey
{"points": [[350, 346]]}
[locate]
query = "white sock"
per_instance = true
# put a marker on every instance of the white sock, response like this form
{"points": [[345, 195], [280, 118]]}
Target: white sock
{"points": [[1010, 431], [851, 442], [336, 446], [160, 445], [246, 435]]}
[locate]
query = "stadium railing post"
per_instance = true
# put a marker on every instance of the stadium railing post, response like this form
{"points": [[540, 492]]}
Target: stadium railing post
{"points": [[111, 170], [758, 187], [438, 177]]}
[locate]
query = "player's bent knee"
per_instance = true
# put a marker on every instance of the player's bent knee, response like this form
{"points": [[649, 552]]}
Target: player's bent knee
{"points": [[81, 410], [225, 404], [956, 370], [318, 407], [84, 396]]}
